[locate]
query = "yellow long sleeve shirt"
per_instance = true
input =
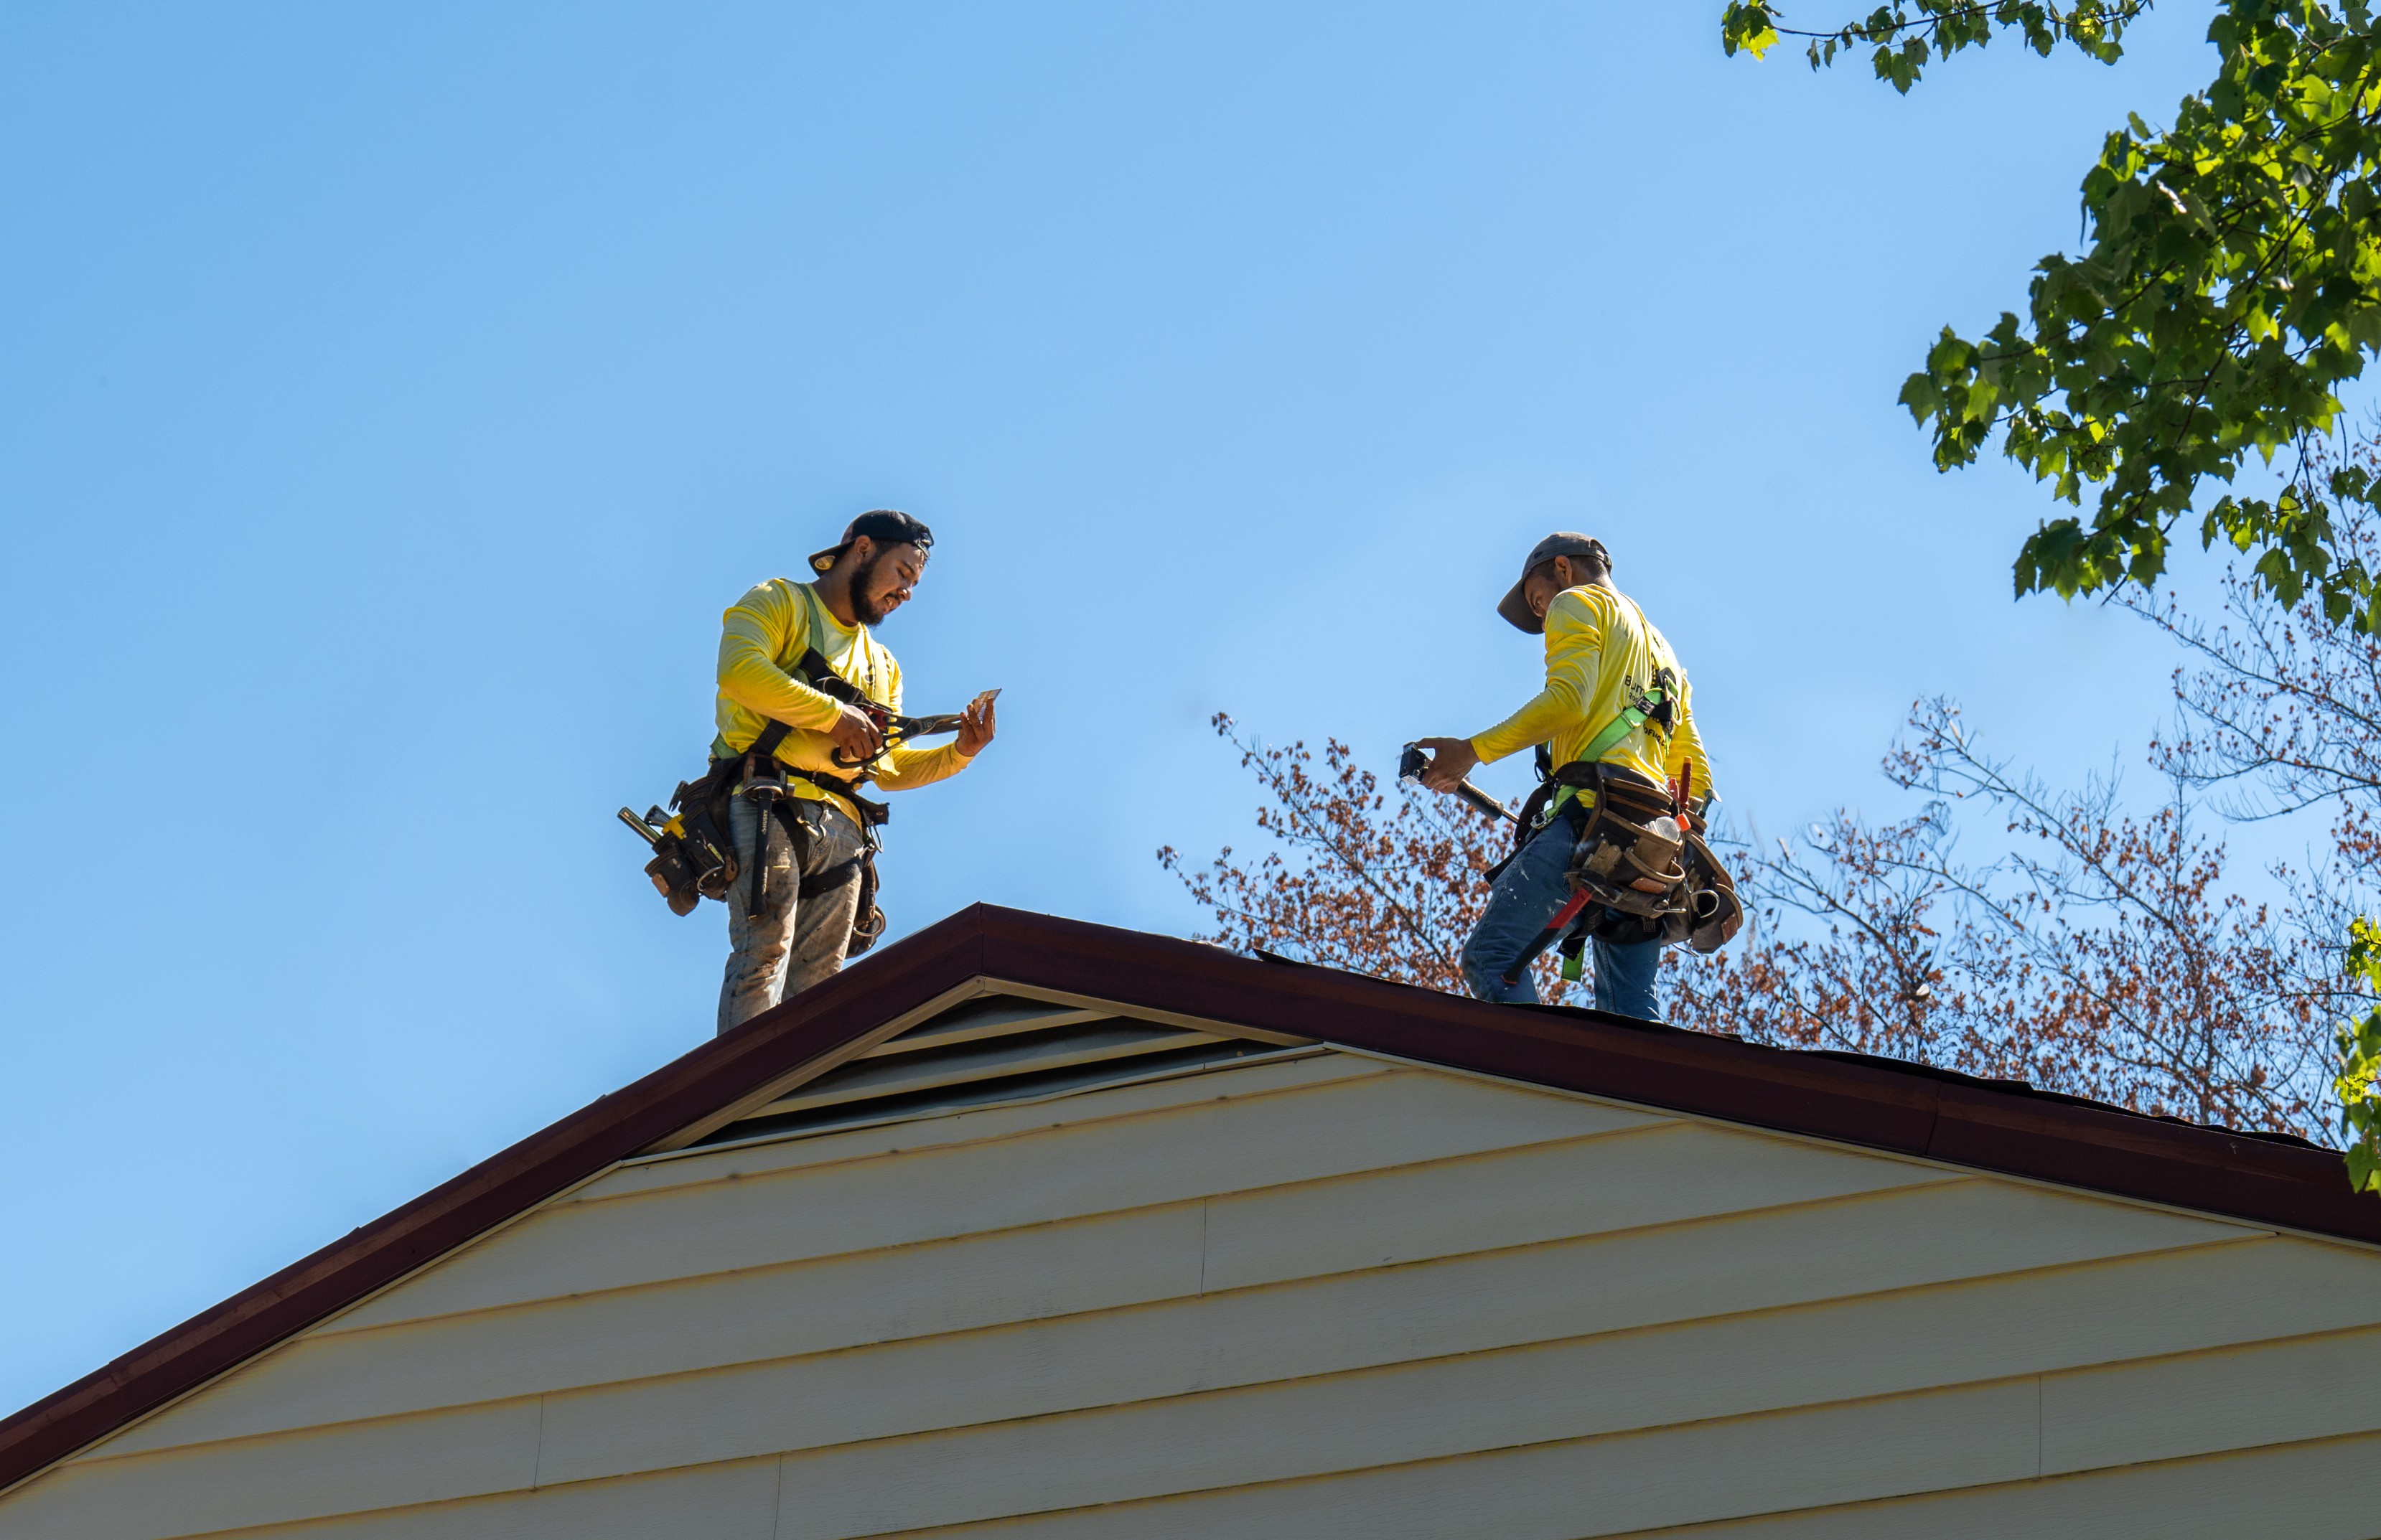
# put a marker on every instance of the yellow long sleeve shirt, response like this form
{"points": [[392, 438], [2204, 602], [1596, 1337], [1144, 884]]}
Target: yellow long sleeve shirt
{"points": [[761, 639], [1599, 644]]}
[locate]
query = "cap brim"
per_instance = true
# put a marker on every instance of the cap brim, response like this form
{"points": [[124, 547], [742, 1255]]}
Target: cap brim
{"points": [[822, 560], [1515, 607]]}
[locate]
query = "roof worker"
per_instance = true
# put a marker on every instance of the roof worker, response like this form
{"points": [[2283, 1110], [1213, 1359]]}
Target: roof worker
{"points": [[1615, 717], [786, 651]]}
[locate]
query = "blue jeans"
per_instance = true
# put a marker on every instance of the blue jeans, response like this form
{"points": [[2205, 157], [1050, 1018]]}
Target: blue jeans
{"points": [[1526, 895]]}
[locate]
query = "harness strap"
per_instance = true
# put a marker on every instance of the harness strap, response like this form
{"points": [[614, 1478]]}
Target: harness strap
{"points": [[1630, 719], [1657, 704], [805, 887], [827, 881], [819, 674], [1614, 793], [722, 781], [873, 814], [816, 882]]}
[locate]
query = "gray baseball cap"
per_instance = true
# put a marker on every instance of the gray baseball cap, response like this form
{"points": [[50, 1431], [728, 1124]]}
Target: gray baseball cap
{"points": [[1516, 608]]}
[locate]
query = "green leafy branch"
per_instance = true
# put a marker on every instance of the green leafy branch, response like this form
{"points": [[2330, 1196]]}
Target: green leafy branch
{"points": [[2230, 292], [1904, 34]]}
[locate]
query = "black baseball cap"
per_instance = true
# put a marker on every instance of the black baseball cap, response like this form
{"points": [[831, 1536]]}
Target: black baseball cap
{"points": [[1516, 608], [884, 526]]}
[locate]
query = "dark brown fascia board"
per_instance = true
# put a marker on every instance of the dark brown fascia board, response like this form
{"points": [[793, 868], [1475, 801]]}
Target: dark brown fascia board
{"points": [[1909, 1111], [1917, 1112], [812, 1026]]}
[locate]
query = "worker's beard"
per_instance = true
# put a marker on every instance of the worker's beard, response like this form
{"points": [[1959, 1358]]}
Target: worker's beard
{"points": [[866, 608]]}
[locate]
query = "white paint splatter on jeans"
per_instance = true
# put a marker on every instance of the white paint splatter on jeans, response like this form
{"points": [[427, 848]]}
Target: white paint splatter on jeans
{"points": [[793, 944]]}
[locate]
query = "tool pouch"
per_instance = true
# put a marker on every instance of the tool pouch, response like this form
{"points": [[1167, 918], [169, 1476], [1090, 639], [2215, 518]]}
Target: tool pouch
{"points": [[1650, 888], [702, 807], [673, 878], [1713, 912], [695, 858], [1619, 859], [706, 849]]}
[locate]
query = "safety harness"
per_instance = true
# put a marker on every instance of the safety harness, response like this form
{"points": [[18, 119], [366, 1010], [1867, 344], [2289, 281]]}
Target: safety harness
{"points": [[1657, 703], [695, 856], [1638, 869]]}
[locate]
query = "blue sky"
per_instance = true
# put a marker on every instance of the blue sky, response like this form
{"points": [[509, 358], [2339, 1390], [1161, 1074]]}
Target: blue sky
{"points": [[392, 397]]}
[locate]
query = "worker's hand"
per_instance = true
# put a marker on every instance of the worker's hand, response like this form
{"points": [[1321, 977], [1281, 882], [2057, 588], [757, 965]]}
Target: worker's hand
{"points": [[976, 725], [1450, 760], [855, 734]]}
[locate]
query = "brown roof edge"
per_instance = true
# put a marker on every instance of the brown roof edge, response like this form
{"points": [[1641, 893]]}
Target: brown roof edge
{"points": [[610, 1128], [1909, 1111], [1913, 1110]]}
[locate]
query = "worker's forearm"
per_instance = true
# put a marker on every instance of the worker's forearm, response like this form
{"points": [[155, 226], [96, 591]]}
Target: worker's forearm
{"points": [[907, 769]]}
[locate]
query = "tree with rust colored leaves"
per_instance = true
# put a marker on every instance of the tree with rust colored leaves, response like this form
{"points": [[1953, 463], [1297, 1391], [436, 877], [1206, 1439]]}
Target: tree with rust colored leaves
{"points": [[2095, 952], [1382, 883], [2230, 291], [2099, 955]]}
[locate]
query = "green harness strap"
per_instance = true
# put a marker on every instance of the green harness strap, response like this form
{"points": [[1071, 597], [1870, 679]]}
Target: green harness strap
{"points": [[1632, 717]]}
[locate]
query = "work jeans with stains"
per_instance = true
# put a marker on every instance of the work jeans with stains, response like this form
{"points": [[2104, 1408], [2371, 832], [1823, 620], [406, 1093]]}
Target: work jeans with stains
{"points": [[1525, 898], [795, 943]]}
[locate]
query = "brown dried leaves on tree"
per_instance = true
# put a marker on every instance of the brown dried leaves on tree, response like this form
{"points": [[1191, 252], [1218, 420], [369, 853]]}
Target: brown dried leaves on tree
{"points": [[2088, 950], [2094, 952], [1385, 883]]}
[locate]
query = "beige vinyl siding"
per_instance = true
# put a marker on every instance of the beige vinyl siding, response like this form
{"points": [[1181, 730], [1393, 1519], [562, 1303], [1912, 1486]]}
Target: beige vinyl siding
{"points": [[1164, 1156], [1316, 1297], [2326, 1490]]}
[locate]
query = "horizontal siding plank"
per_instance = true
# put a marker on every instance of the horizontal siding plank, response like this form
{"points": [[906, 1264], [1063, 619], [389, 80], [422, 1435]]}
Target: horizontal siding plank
{"points": [[717, 1502], [1674, 1173], [1735, 1366], [1564, 1491], [2329, 1490], [1436, 1311], [1656, 1175], [739, 1318], [268, 1480], [695, 1168], [1284, 1432], [1068, 1172], [1670, 1173], [2323, 1491], [2273, 1393], [1967, 1453]]}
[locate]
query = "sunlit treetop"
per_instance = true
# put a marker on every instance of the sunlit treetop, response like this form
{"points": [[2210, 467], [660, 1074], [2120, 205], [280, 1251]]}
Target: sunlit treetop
{"points": [[1902, 37], [2230, 291]]}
